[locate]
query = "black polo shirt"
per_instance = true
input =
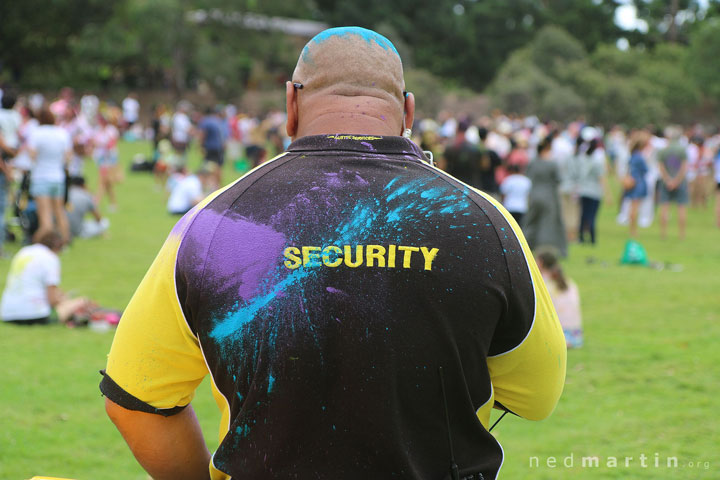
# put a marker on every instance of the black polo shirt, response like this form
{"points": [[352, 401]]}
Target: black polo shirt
{"points": [[323, 292]]}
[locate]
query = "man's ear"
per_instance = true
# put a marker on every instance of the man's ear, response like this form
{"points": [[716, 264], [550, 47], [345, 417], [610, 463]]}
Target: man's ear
{"points": [[409, 110], [292, 109]]}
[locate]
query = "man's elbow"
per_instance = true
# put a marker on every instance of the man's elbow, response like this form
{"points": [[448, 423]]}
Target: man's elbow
{"points": [[532, 403], [113, 410]]}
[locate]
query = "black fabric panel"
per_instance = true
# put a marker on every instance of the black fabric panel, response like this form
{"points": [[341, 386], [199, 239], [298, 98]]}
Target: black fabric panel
{"points": [[115, 392]]}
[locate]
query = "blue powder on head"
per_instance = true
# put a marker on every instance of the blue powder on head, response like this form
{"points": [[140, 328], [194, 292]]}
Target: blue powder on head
{"points": [[343, 32]]}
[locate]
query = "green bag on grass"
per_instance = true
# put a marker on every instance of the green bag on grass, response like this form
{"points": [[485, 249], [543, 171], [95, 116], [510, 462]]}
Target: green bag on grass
{"points": [[634, 254]]}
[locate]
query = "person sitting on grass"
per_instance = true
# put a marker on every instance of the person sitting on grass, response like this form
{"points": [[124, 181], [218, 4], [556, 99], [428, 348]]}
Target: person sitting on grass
{"points": [[564, 294], [32, 290], [80, 203], [189, 191]]}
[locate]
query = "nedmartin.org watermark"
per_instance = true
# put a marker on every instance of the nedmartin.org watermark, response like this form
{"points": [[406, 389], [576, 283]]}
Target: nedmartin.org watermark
{"points": [[656, 460]]}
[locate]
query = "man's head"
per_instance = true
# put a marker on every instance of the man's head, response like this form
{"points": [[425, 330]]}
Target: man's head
{"points": [[77, 182], [9, 98], [52, 240], [348, 77]]}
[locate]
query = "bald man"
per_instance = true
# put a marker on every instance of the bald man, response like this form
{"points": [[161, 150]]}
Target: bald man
{"points": [[360, 312]]}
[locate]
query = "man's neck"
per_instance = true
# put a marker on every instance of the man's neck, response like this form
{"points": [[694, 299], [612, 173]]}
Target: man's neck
{"points": [[351, 123], [358, 116]]}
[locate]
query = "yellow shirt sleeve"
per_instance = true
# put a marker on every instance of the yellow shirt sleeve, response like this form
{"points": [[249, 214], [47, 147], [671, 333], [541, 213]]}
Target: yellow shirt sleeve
{"points": [[529, 379], [154, 356]]}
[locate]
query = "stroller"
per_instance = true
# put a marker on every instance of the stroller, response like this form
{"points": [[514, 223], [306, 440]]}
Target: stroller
{"points": [[26, 210]]}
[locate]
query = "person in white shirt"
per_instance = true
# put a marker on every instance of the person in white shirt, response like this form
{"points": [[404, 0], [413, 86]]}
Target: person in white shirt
{"points": [[188, 191], [32, 289], [515, 190], [131, 110], [181, 129], [50, 148]]}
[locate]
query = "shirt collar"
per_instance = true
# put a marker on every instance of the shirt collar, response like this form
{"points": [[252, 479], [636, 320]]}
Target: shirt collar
{"points": [[358, 143]]}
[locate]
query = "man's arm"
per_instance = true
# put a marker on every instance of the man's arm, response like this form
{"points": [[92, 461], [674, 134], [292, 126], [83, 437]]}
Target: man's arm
{"points": [[55, 295], [529, 374], [4, 147], [171, 448]]}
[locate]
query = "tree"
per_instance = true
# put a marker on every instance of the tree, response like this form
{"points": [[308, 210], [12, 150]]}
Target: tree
{"points": [[703, 58], [672, 20], [37, 33]]}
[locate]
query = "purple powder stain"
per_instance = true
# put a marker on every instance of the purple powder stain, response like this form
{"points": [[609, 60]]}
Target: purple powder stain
{"points": [[244, 251], [335, 290], [332, 180], [382, 117], [368, 145]]}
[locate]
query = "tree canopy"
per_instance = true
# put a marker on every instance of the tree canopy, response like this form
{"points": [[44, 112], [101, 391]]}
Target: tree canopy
{"points": [[559, 57]]}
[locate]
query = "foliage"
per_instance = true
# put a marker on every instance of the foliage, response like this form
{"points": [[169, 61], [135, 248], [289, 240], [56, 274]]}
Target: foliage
{"points": [[36, 33], [635, 87], [703, 58], [570, 49]]}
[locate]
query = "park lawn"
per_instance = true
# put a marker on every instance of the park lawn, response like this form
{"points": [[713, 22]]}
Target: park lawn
{"points": [[645, 383]]}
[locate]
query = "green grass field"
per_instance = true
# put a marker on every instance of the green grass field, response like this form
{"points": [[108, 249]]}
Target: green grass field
{"points": [[646, 382]]}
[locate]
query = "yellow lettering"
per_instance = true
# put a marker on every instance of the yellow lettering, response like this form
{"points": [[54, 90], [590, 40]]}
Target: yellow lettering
{"points": [[358, 256], [326, 256], [408, 253], [391, 256], [309, 255], [291, 253], [429, 256], [375, 252]]}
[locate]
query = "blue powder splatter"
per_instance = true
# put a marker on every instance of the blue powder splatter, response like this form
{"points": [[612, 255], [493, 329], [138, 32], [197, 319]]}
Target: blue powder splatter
{"points": [[271, 383], [232, 324], [368, 35]]}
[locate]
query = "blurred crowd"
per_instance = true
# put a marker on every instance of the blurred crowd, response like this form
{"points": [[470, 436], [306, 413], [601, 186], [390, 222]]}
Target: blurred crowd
{"points": [[552, 177]]}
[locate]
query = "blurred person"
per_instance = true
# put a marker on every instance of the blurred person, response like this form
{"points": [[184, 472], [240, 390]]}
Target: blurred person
{"points": [[81, 204], [160, 126], [568, 166], [564, 294], [130, 110], [10, 122], [189, 190], [234, 142], [256, 154], [518, 153], [463, 158], [636, 187], [181, 129], [673, 186], [646, 209], [699, 168], [542, 224], [498, 139], [22, 164], [105, 152], [80, 129], [50, 148], [32, 290], [515, 190], [65, 103], [489, 164], [212, 140], [590, 182], [334, 365]]}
